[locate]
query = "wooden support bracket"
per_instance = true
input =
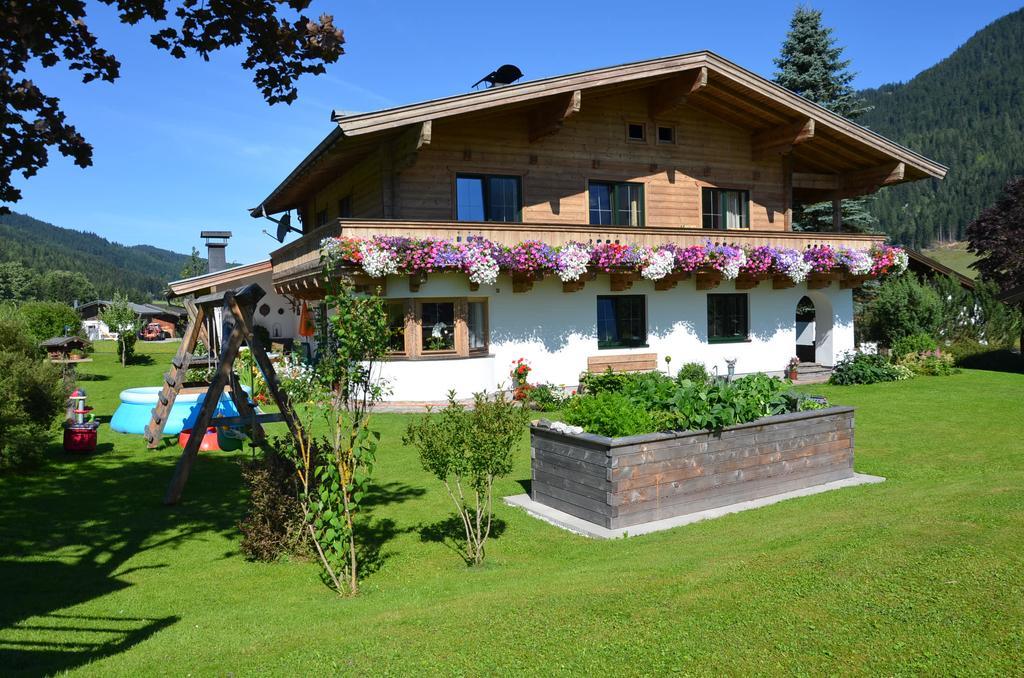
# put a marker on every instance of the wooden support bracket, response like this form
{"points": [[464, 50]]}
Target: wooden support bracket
{"points": [[852, 282], [416, 280], [549, 117], [522, 282], [782, 282], [747, 282], [672, 92], [620, 282], [708, 280], [781, 140], [670, 281], [819, 281], [574, 285]]}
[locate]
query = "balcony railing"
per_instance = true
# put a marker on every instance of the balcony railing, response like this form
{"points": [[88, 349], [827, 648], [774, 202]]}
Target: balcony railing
{"points": [[298, 259]]}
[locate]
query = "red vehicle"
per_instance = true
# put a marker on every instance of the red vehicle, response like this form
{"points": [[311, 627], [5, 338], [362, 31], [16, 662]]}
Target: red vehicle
{"points": [[152, 332]]}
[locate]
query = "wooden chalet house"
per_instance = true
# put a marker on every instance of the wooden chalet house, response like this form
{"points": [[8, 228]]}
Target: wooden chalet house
{"points": [[683, 151]]}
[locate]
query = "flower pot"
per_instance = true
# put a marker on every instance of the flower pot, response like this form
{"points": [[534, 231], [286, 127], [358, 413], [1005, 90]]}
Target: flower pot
{"points": [[791, 374]]}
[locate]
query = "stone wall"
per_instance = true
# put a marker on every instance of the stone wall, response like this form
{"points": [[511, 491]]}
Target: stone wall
{"points": [[619, 482]]}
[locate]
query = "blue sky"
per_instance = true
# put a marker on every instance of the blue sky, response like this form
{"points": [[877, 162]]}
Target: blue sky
{"points": [[184, 145]]}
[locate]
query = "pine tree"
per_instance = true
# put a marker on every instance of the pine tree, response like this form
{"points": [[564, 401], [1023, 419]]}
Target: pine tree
{"points": [[194, 266], [811, 65]]}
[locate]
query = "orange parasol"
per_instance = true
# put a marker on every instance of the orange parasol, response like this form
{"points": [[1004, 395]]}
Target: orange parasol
{"points": [[306, 326]]}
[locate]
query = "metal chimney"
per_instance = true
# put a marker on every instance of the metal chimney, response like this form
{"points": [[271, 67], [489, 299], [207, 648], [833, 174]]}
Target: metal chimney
{"points": [[216, 244]]}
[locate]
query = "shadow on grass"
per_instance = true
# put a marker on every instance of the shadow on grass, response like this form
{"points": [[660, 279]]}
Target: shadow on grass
{"points": [[451, 532], [994, 361], [68, 534], [87, 376], [141, 359]]}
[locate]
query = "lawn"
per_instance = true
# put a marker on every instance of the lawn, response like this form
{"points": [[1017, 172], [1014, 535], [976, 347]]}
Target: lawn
{"points": [[921, 574], [955, 256]]}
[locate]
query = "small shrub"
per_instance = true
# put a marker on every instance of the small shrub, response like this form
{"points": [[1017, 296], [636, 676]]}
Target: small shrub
{"points": [[546, 397], [273, 524], [467, 450], [912, 345], [695, 372], [931, 365], [609, 413], [600, 382], [863, 368]]}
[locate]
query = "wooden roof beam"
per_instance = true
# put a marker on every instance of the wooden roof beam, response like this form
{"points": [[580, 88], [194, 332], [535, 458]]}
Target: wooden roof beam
{"points": [[816, 182], [671, 93], [781, 140], [548, 118], [409, 143], [870, 180]]}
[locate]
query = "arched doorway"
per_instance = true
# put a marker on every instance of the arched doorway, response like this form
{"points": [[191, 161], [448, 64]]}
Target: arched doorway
{"points": [[805, 331]]}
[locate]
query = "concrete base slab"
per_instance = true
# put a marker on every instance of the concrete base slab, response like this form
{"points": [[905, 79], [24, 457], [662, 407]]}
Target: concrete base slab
{"points": [[588, 529]]}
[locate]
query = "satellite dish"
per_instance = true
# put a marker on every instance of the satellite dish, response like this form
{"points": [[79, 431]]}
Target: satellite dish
{"points": [[284, 224], [503, 75]]}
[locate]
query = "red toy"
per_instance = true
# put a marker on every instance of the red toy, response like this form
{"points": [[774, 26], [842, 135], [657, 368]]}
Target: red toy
{"points": [[209, 440]]}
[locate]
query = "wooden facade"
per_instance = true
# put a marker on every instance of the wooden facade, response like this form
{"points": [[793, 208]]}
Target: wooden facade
{"points": [[705, 123]]}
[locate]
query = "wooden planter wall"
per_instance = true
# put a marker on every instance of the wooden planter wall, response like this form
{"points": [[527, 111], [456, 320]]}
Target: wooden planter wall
{"points": [[620, 482]]}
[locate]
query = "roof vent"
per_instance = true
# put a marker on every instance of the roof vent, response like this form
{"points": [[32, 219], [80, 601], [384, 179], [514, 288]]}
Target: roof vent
{"points": [[503, 75]]}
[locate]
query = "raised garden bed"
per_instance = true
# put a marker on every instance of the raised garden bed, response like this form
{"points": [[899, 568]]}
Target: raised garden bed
{"points": [[622, 482]]}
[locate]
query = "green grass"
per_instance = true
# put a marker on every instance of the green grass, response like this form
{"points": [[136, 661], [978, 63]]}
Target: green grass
{"points": [[921, 574], [955, 256]]}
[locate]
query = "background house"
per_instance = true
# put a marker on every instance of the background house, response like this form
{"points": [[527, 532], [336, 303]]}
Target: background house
{"points": [[168, 317]]}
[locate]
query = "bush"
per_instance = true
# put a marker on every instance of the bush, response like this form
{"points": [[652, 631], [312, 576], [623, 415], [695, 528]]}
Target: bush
{"points": [[608, 414], [273, 524], [32, 394], [546, 397], [600, 382], [864, 368], [695, 372], [903, 307], [912, 345], [47, 319], [931, 365]]}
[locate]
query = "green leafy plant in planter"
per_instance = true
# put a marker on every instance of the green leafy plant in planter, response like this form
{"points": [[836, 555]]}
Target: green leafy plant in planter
{"points": [[467, 450], [865, 368]]}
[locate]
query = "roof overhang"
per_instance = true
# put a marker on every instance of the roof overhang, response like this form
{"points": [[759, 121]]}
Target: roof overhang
{"points": [[202, 284], [832, 155]]}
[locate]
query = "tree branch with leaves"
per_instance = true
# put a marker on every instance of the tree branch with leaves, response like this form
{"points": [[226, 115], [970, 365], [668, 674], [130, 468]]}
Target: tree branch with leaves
{"points": [[281, 45]]}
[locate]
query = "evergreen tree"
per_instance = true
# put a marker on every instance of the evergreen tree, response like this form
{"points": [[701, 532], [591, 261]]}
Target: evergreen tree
{"points": [[17, 283], [811, 65], [194, 266], [67, 287]]}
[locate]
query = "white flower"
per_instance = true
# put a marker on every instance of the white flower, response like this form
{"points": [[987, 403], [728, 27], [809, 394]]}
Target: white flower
{"points": [[858, 263], [573, 260], [793, 264], [731, 267], [659, 264], [330, 248], [377, 261], [902, 261], [483, 270]]}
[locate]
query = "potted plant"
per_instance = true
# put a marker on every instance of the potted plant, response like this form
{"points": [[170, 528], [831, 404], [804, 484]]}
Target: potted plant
{"points": [[791, 369]]}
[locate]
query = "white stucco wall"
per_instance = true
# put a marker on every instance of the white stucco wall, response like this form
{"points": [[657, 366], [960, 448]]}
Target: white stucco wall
{"points": [[556, 332]]}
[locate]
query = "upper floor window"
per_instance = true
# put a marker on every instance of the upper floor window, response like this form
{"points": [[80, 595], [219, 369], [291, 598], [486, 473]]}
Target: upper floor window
{"points": [[636, 131], [488, 197], [616, 203], [666, 135], [345, 207], [321, 217], [725, 208]]}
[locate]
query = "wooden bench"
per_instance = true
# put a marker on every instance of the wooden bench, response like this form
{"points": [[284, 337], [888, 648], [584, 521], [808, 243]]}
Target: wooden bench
{"points": [[623, 362]]}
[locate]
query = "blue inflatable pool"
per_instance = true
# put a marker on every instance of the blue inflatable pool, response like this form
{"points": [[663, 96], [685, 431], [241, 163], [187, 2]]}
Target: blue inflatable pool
{"points": [[135, 410]]}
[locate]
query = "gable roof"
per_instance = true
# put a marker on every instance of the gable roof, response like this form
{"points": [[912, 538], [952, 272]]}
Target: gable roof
{"points": [[202, 283], [93, 309], [921, 263], [726, 90]]}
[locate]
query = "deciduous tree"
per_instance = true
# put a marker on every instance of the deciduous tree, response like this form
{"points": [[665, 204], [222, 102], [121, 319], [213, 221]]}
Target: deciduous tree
{"points": [[120, 317], [996, 236], [281, 44]]}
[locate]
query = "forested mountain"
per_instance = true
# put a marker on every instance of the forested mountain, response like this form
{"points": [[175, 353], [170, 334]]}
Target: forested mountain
{"points": [[140, 271], [966, 112]]}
